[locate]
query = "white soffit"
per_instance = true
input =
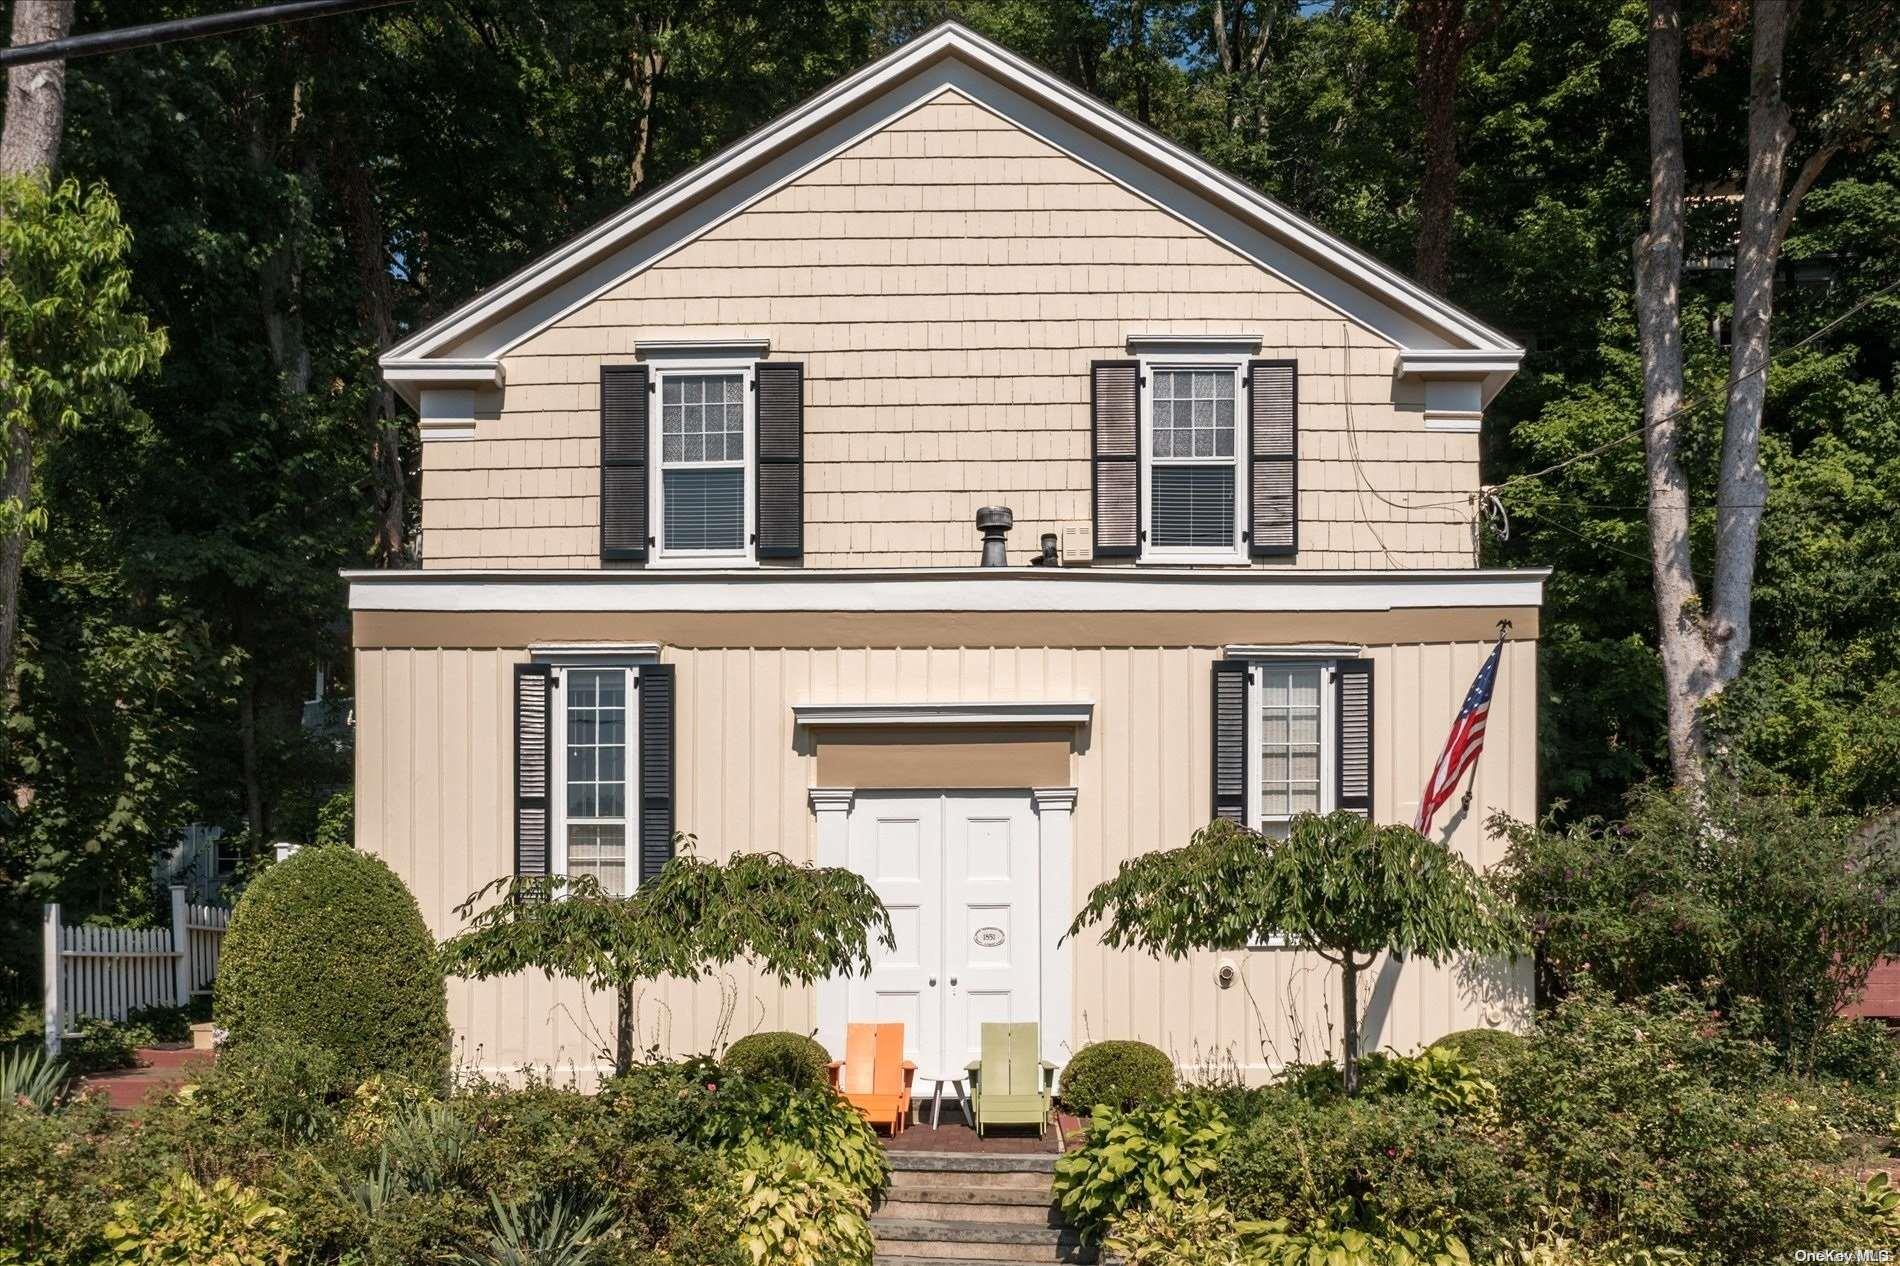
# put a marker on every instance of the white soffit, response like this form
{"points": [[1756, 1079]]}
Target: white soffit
{"points": [[950, 56], [941, 589]]}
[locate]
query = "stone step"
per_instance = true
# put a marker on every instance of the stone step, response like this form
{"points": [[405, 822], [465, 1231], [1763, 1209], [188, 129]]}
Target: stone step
{"points": [[1008, 1184], [910, 1239], [1022, 1207], [974, 1162]]}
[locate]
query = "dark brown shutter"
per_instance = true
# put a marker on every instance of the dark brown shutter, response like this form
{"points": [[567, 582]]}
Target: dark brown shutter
{"points": [[657, 768], [1230, 739], [1115, 428], [534, 688], [623, 462], [1273, 408], [1353, 682], [780, 521]]}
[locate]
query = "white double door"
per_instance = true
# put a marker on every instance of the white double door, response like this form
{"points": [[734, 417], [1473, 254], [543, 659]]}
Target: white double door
{"points": [[958, 873]]}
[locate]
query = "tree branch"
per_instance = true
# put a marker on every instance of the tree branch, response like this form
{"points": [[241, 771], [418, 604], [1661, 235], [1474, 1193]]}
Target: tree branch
{"points": [[1803, 182]]}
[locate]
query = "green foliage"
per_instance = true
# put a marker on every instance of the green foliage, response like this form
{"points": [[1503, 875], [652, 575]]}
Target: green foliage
{"points": [[1660, 1123], [1355, 1246], [1120, 1074], [30, 1079], [336, 820], [792, 1058], [70, 339], [328, 948], [798, 922], [547, 1231], [185, 1224], [1490, 1053], [1747, 897], [1147, 1158], [1338, 884], [741, 1115], [285, 1090], [1863, 1052], [794, 1208], [1179, 1233]]}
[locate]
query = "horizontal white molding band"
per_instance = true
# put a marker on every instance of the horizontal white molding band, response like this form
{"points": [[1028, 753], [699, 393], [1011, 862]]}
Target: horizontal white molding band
{"points": [[941, 589], [935, 714]]}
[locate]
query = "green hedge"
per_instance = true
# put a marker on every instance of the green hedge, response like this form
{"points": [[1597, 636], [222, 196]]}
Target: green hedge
{"points": [[792, 1058], [328, 949], [1492, 1053], [1122, 1075]]}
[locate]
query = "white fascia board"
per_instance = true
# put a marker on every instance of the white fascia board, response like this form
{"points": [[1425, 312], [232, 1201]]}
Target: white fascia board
{"points": [[409, 376], [941, 589], [670, 348], [1491, 368], [1005, 69], [847, 715]]}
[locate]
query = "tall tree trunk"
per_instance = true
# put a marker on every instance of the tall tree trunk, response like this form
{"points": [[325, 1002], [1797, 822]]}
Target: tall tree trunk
{"points": [[1743, 487], [1703, 645], [1658, 252], [363, 218], [280, 277], [648, 60], [1444, 36], [623, 1028], [1138, 44], [29, 146]]}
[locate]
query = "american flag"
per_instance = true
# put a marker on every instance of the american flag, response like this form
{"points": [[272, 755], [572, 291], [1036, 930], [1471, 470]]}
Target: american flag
{"points": [[1463, 745]]}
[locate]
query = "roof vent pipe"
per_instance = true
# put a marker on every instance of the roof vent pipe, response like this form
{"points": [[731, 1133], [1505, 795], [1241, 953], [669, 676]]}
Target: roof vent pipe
{"points": [[994, 522]]}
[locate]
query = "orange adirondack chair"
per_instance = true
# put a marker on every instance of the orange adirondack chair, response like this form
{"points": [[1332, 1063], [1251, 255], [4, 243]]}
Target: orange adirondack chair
{"points": [[874, 1077]]}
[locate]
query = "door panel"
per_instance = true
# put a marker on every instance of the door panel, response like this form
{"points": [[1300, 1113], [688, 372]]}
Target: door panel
{"points": [[959, 876], [897, 845], [992, 948]]}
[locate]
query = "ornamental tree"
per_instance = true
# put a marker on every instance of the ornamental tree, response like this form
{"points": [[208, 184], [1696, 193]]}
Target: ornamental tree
{"points": [[1339, 885], [798, 922]]}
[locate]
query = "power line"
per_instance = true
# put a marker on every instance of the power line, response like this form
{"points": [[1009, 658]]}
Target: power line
{"points": [[1696, 401], [151, 33]]}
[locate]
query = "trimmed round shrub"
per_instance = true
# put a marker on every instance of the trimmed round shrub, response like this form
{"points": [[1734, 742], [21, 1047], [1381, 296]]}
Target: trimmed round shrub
{"points": [[1122, 1075], [792, 1058], [1490, 1052], [328, 949]]}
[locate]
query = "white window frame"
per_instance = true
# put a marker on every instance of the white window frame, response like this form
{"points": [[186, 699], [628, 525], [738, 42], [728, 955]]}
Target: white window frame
{"points": [[557, 719], [1328, 745], [1178, 554], [693, 367]]}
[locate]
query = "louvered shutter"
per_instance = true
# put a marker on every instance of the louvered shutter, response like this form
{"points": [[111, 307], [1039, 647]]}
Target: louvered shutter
{"points": [[534, 690], [1230, 739], [1115, 428], [1273, 408], [657, 768], [780, 521], [1353, 708], [623, 462]]}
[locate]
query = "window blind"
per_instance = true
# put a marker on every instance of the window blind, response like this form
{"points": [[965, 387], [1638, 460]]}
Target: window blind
{"points": [[704, 509], [1193, 507]]}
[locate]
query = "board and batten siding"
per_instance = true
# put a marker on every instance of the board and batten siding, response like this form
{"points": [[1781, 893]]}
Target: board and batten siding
{"points": [[946, 282], [433, 770]]}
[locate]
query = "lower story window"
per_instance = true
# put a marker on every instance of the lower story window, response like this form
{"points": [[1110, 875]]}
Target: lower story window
{"points": [[1292, 716], [594, 774]]}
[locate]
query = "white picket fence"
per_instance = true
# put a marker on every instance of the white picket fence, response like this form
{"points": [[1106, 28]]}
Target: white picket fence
{"points": [[107, 973]]}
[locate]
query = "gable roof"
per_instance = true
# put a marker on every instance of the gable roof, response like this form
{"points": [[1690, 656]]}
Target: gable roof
{"points": [[1436, 339]]}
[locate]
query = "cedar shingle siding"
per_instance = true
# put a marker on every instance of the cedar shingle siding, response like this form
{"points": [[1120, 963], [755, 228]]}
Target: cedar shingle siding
{"points": [[947, 283]]}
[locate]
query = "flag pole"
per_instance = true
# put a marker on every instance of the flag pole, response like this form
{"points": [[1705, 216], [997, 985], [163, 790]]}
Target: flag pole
{"points": [[1471, 777]]}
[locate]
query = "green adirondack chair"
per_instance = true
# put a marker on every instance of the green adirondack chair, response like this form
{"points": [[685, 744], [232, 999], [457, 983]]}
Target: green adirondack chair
{"points": [[1011, 1084]]}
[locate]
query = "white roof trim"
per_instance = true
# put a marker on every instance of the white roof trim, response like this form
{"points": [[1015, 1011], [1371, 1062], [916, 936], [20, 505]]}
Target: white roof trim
{"points": [[1300, 651], [593, 652], [867, 714], [1013, 590], [409, 375], [1040, 88]]}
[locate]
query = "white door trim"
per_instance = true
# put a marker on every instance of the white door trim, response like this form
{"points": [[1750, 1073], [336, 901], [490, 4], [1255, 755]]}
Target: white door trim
{"points": [[1055, 814]]}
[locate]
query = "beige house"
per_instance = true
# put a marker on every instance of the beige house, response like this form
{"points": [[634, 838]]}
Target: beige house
{"points": [[700, 553]]}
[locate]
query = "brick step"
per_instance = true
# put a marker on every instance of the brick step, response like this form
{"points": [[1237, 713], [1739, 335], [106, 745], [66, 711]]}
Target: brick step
{"points": [[909, 1239]]}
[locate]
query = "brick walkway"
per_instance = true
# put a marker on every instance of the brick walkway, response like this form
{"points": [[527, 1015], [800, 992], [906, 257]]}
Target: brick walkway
{"points": [[160, 1068], [954, 1136]]}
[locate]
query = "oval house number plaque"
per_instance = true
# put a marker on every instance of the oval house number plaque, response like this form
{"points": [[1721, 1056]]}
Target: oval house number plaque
{"points": [[989, 938]]}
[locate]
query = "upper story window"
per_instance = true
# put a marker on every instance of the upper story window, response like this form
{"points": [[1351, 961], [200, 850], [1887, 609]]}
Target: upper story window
{"points": [[703, 471], [1293, 767], [1194, 441], [595, 785]]}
